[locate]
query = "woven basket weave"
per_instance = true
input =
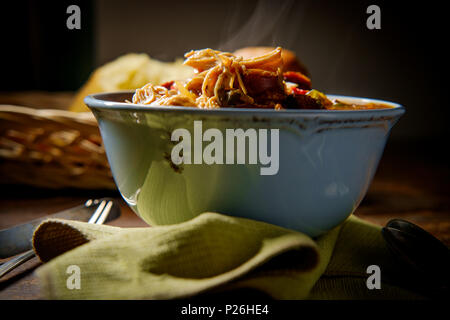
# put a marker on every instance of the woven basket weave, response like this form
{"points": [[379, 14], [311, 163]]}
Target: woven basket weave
{"points": [[52, 148]]}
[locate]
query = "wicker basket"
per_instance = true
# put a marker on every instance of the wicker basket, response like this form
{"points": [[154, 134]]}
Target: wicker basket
{"points": [[52, 148]]}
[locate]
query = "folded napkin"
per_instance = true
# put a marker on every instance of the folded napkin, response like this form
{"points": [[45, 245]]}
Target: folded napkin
{"points": [[210, 255]]}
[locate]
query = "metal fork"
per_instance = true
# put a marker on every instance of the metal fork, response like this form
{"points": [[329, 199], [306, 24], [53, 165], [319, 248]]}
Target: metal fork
{"points": [[98, 217]]}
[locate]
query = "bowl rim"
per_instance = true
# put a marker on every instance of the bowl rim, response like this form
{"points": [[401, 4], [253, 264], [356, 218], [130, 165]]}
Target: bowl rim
{"points": [[97, 101]]}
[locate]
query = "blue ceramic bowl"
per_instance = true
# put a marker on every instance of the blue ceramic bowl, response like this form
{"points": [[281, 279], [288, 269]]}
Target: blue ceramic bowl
{"points": [[326, 161]]}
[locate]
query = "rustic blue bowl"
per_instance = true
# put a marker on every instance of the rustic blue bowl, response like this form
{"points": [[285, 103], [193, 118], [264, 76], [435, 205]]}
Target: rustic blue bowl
{"points": [[327, 160]]}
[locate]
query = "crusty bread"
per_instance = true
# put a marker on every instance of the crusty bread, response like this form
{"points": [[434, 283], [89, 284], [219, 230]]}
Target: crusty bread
{"points": [[290, 60], [129, 72]]}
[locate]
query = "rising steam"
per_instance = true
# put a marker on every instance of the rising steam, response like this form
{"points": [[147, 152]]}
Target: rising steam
{"points": [[271, 23]]}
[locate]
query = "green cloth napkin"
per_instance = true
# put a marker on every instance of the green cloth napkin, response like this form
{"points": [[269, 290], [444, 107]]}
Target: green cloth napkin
{"points": [[213, 254]]}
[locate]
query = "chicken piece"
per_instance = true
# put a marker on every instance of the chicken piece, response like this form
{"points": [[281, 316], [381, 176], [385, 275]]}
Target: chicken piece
{"points": [[270, 62], [264, 86], [290, 61]]}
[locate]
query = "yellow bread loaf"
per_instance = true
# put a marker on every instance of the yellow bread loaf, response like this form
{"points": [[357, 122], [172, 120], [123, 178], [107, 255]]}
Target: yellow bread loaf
{"points": [[129, 72]]}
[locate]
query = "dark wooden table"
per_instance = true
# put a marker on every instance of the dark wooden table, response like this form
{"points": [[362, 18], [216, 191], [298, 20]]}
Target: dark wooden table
{"points": [[412, 183]]}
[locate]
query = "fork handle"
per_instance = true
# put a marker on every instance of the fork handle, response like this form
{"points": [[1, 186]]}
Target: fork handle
{"points": [[99, 217], [15, 262]]}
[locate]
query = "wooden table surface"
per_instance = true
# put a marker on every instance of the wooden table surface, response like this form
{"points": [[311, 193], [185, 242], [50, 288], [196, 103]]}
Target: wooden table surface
{"points": [[412, 183]]}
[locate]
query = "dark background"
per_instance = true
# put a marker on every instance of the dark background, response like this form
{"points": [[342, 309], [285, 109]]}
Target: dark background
{"points": [[404, 62]]}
